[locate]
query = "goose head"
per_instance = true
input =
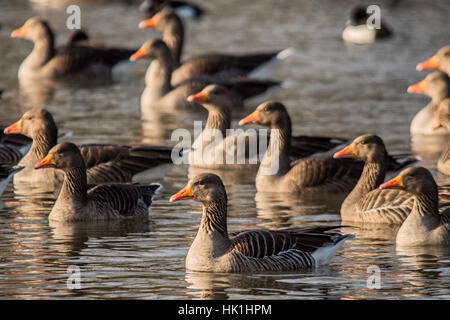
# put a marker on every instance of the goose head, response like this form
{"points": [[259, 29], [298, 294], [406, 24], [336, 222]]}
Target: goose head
{"points": [[416, 180], [367, 148], [213, 98], [435, 85], [34, 123], [65, 156], [33, 29], [205, 188], [152, 49], [441, 60], [160, 21], [270, 113]]}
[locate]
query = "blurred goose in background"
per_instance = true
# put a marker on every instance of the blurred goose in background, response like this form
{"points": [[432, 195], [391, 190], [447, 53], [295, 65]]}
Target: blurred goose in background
{"points": [[78, 201], [249, 251], [443, 120], [425, 225], [441, 61], [366, 203], [216, 65], [217, 100], [159, 92], [436, 85], [104, 162], [359, 31], [46, 61], [184, 9]]}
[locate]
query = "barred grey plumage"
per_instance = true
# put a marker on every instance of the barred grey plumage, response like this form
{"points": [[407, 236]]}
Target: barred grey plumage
{"points": [[77, 201], [367, 203], [425, 225], [254, 250]]}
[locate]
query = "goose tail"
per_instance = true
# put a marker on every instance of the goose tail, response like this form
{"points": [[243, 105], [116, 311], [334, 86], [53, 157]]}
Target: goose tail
{"points": [[265, 70], [323, 255]]}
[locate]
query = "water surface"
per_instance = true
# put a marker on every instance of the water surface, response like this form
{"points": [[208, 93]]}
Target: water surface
{"points": [[330, 88]]}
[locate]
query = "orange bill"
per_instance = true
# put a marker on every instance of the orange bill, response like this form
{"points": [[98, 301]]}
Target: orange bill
{"points": [[19, 33], [420, 87], [199, 97], [141, 53], [251, 118], [149, 23], [395, 183], [347, 152], [432, 63], [183, 194], [47, 162], [14, 128]]}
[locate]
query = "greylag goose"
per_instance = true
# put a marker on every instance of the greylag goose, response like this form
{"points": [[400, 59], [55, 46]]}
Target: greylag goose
{"points": [[184, 9], [318, 173], [443, 120], [278, 174], [104, 162], [78, 201], [425, 225], [249, 251], [217, 100], [215, 148], [359, 31], [441, 61], [436, 85], [46, 61], [218, 65], [161, 94], [367, 203]]}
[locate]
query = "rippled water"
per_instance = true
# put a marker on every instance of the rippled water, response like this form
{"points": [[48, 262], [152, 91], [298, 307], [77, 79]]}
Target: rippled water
{"points": [[330, 88]]}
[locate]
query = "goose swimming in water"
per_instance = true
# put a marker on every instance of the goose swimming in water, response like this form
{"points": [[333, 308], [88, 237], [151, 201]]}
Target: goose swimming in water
{"points": [[213, 250], [78, 201], [425, 225], [47, 61]]}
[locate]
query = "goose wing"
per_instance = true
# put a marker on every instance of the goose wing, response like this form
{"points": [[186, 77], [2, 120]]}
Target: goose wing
{"points": [[265, 243], [337, 175], [304, 146], [210, 64], [394, 206], [125, 200], [113, 163], [9, 156], [73, 58]]}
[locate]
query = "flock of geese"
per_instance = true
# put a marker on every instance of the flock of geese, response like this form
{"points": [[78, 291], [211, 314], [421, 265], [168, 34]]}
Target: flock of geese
{"points": [[95, 180]]}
